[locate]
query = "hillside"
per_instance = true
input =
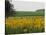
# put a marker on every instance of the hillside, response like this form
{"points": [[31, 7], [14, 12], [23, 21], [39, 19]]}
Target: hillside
{"points": [[39, 12]]}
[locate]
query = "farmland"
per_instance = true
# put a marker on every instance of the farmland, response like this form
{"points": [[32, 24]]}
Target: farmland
{"points": [[25, 22]]}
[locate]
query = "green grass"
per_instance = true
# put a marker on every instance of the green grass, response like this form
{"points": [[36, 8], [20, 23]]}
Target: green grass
{"points": [[22, 13]]}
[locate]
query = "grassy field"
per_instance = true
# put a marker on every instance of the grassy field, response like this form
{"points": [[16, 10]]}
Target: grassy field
{"points": [[28, 13], [25, 24]]}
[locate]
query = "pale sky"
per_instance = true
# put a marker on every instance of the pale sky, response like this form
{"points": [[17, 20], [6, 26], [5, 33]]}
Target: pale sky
{"points": [[27, 5]]}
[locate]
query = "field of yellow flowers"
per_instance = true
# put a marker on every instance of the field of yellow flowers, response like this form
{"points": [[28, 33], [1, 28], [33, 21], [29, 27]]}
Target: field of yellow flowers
{"points": [[25, 24]]}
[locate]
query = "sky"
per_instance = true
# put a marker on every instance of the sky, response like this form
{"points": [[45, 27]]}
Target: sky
{"points": [[27, 5]]}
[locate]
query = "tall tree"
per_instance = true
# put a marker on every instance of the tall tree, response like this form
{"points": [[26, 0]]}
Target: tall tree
{"points": [[8, 9]]}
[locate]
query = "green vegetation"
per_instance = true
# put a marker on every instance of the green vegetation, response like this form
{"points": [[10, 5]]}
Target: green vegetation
{"points": [[25, 22], [28, 13]]}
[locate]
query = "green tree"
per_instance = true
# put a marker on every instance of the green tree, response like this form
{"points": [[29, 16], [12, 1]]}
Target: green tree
{"points": [[9, 11]]}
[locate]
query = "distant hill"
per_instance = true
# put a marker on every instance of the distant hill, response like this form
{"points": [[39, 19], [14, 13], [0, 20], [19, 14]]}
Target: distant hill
{"points": [[39, 12]]}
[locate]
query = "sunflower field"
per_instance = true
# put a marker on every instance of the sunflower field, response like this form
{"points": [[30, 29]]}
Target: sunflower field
{"points": [[24, 24]]}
